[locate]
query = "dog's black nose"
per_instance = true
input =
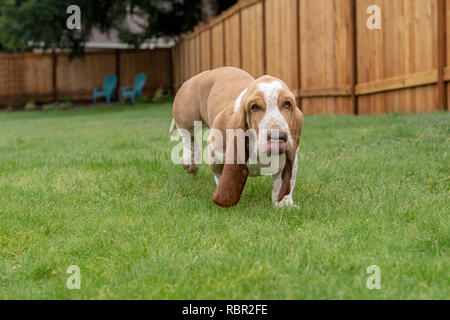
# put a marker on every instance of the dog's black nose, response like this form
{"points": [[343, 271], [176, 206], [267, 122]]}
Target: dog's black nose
{"points": [[277, 135]]}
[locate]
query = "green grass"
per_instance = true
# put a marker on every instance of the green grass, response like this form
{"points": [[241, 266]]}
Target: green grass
{"points": [[96, 188]]}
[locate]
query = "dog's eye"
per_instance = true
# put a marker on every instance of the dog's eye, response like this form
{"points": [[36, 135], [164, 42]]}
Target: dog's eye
{"points": [[256, 108], [287, 105]]}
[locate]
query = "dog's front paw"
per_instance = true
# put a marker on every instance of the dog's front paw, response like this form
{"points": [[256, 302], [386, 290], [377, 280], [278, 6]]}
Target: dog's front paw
{"points": [[190, 168], [287, 202]]}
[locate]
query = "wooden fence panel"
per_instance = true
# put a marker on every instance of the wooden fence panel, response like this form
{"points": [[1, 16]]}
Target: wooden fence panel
{"points": [[217, 46], [38, 76], [447, 64], [155, 64], [30, 77], [404, 49], [281, 43], [205, 38], [176, 67], [198, 52], [232, 41], [11, 78], [252, 39], [192, 57], [185, 60], [77, 78], [326, 53]]}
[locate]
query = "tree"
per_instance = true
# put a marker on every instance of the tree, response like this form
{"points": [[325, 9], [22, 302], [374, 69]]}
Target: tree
{"points": [[25, 24], [169, 18], [209, 9]]}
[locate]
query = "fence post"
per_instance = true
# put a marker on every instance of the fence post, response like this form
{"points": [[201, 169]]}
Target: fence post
{"points": [[224, 44], [54, 68], [172, 69], [355, 57], [241, 64], [299, 57], [210, 47], [264, 36], [201, 50], [118, 74], [442, 46]]}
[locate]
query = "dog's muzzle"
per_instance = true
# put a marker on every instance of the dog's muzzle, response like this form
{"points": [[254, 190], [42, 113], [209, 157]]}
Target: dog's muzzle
{"points": [[276, 142]]}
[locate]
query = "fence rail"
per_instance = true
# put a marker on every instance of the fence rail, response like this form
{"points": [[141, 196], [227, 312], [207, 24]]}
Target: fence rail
{"points": [[325, 52], [51, 76]]}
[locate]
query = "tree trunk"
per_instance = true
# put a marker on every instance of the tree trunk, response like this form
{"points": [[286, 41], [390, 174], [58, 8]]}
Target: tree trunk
{"points": [[209, 10]]}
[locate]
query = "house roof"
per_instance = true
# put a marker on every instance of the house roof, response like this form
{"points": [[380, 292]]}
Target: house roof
{"points": [[110, 40]]}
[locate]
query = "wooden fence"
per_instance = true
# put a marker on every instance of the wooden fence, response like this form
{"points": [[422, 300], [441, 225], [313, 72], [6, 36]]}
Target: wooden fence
{"points": [[325, 52], [47, 77]]}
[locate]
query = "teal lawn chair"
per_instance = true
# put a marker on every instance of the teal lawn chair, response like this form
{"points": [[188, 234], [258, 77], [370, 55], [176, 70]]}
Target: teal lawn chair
{"points": [[134, 91], [109, 85]]}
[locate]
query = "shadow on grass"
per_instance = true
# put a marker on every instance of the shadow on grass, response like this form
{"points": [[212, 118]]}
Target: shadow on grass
{"points": [[90, 110]]}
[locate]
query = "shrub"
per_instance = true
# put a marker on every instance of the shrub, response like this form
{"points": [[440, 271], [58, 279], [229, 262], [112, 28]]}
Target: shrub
{"points": [[50, 106], [143, 99], [60, 105], [21, 105], [162, 95], [30, 106], [67, 104]]}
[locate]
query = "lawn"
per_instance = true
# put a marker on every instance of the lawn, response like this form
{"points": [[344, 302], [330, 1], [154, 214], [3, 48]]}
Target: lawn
{"points": [[95, 187]]}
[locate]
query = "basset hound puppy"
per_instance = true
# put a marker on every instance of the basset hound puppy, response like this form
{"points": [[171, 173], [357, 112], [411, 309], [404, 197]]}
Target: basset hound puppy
{"points": [[253, 123]]}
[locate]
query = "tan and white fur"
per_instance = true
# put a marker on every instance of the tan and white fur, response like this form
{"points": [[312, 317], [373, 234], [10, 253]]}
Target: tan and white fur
{"points": [[230, 98]]}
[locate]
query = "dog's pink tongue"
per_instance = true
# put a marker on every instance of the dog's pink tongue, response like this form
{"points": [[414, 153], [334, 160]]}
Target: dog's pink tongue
{"points": [[276, 146]]}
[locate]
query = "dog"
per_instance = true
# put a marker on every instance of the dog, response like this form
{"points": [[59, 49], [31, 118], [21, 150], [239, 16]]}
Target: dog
{"points": [[228, 100]]}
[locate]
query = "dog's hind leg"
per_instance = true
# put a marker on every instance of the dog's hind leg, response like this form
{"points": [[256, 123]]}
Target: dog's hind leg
{"points": [[190, 149]]}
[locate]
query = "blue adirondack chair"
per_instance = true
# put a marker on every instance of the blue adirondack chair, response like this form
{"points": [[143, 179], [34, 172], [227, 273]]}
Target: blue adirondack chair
{"points": [[109, 85], [134, 91]]}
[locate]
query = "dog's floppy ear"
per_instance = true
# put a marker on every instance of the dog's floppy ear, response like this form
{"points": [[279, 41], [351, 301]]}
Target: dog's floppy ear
{"points": [[235, 172], [296, 130]]}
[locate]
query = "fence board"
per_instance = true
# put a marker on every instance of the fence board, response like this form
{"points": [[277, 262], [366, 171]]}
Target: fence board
{"points": [[35, 81], [330, 58], [252, 39], [281, 44], [205, 44], [232, 40], [198, 57], [406, 45], [29, 77], [326, 53], [155, 64], [447, 78], [76, 78], [217, 46], [192, 57]]}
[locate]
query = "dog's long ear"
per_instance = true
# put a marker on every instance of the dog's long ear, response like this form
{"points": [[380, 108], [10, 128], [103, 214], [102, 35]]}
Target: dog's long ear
{"points": [[235, 172], [296, 130]]}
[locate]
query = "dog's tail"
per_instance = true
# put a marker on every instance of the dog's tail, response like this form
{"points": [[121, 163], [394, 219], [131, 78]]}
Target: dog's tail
{"points": [[173, 131]]}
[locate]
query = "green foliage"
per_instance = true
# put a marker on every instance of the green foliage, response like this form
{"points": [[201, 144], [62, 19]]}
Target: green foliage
{"points": [[20, 105], [60, 105], [142, 99], [167, 18], [30, 106], [42, 23], [95, 187], [161, 95]]}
